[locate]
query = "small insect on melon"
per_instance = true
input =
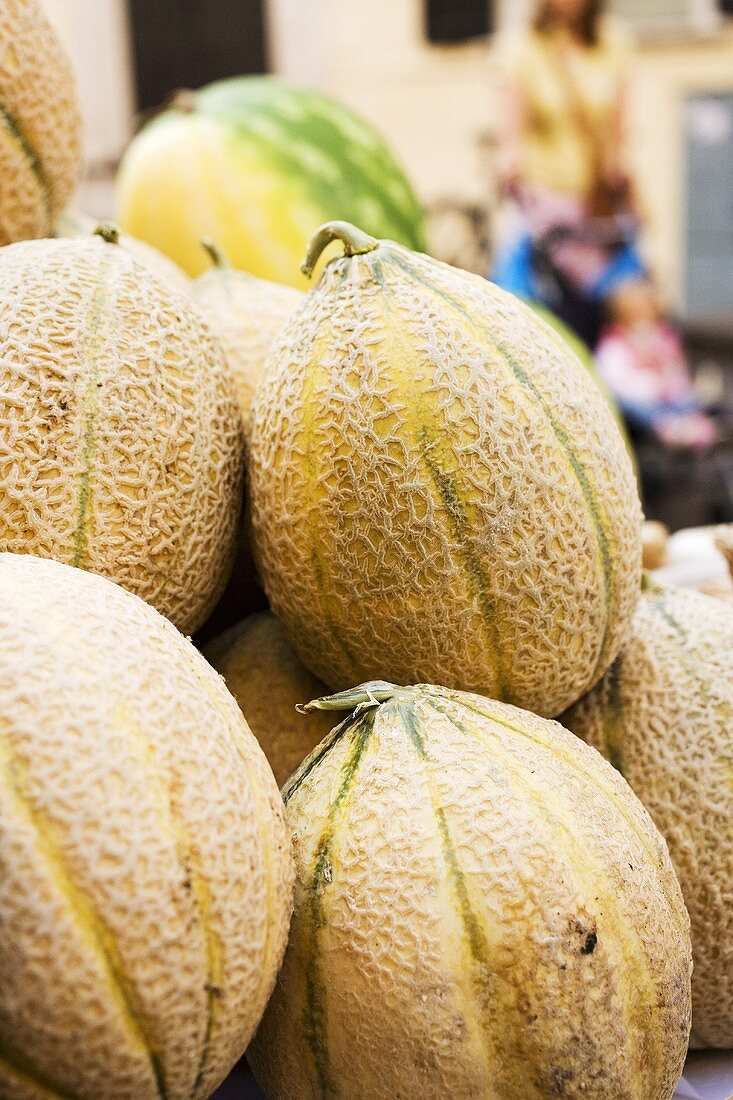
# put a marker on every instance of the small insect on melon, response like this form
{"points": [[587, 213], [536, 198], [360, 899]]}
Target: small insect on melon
{"points": [[121, 444], [145, 866], [483, 910]]}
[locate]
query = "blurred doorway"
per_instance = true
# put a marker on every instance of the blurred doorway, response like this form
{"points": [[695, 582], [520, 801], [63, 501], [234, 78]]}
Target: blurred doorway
{"points": [[188, 43]]}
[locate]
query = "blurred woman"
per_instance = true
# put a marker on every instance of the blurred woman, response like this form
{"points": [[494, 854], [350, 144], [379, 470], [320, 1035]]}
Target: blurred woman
{"points": [[562, 157], [563, 161]]}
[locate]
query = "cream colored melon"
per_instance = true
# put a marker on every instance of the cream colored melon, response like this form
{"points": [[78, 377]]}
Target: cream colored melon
{"points": [[663, 714], [145, 867], [247, 314], [121, 445], [439, 491], [40, 123], [74, 223], [483, 911], [268, 681]]}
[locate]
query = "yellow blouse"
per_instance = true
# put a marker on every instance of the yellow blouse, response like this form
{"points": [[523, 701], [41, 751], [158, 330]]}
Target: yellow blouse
{"points": [[557, 153]]}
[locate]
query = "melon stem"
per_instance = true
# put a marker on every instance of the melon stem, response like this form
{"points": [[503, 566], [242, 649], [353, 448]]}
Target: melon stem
{"points": [[218, 256], [365, 695], [354, 240], [183, 100], [109, 232]]}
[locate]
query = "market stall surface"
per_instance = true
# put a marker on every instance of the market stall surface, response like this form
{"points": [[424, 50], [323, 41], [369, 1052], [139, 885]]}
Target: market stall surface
{"points": [[708, 1076]]}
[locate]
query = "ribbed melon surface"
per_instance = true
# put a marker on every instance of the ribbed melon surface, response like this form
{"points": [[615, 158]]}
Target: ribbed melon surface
{"points": [[121, 445], [40, 124], [663, 714], [247, 314], [145, 868], [439, 491], [483, 910], [268, 681]]}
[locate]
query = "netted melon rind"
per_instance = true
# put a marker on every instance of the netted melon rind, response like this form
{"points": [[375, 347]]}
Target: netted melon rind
{"points": [[266, 678], [439, 492], [40, 124], [146, 867], [664, 715], [481, 895], [247, 314], [121, 445], [75, 223]]}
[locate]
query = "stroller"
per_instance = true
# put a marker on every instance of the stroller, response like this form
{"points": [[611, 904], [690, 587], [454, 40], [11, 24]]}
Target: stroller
{"points": [[584, 311], [680, 486]]}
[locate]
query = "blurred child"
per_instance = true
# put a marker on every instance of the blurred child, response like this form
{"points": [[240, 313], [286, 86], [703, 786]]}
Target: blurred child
{"points": [[641, 360]]}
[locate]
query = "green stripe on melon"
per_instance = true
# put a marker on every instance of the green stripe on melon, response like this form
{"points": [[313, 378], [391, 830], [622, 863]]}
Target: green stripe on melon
{"points": [[254, 163], [663, 715], [480, 896]]}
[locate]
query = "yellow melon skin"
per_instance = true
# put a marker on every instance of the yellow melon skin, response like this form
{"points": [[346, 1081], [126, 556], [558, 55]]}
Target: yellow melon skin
{"points": [[247, 315], [438, 489], [145, 866], [483, 910], [663, 714], [40, 123], [268, 681], [121, 445], [75, 223]]}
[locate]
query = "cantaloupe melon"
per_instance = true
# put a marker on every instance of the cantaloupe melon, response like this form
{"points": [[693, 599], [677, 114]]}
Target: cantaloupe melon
{"points": [[663, 714], [145, 867], [266, 678], [74, 223], [439, 491], [121, 445], [247, 315], [40, 123], [483, 910]]}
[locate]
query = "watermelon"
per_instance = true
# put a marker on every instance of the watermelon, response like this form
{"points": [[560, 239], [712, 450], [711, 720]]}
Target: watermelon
{"points": [[255, 163]]}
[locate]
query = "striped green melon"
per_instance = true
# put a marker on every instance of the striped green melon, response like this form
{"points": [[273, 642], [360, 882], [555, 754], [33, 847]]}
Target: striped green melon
{"points": [[40, 123], [255, 163], [439, 491], [483, 911], [663, 714]]}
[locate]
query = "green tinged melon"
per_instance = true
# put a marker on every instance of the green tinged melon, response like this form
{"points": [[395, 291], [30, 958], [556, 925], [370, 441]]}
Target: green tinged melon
{"points": [[255, 163], [40, 123], [663, 714], [439, 491], [145, 867], [483, 908]]}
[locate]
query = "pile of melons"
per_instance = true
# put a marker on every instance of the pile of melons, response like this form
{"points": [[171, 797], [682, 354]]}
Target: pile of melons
{"points": [[461, 897]]}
